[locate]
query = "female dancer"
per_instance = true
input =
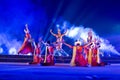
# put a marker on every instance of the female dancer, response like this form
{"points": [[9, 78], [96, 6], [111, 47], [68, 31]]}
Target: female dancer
{"points": [[58, 44], [95, 59], [27, 46], [37, 57], [49, 58], [77, 57]]}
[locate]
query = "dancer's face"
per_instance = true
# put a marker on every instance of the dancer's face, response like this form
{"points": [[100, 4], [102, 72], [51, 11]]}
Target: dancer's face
{"points": [[28, 36], [59, 32]]}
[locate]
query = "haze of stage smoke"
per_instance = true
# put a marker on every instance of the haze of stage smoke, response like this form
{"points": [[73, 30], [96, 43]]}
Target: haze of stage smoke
{"points": [[12, 45]]}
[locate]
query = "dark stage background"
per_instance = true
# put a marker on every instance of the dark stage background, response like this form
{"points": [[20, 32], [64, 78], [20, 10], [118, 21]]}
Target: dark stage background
{"points": [[103, 16]]}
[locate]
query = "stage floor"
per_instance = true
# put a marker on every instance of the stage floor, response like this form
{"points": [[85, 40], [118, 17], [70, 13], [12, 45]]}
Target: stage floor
{"points": [[19, 71]]}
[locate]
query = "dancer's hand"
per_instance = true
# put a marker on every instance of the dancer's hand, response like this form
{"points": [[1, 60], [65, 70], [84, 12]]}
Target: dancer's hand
{"points": [[26, 30], [50, 30]]}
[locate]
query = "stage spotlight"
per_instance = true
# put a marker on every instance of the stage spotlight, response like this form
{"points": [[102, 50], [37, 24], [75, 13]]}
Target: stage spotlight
{"points": [[57, 25], [12, 51]]}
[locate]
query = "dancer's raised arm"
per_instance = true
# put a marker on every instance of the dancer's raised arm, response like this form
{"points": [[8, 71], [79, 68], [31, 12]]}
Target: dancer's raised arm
{"points": [[52, 33], [90, 43], [68, 45], [26, 30], [64, 32]]}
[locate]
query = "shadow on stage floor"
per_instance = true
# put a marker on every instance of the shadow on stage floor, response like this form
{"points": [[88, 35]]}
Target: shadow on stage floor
{"points": [[15, 71]]}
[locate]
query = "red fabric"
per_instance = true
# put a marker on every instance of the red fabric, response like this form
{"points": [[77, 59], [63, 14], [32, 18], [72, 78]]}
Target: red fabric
{"points": [[86, 53], [50, 57], [50, 60], [37, 51], [51, 50], [27, 48], [79, 59], [94, 57]]}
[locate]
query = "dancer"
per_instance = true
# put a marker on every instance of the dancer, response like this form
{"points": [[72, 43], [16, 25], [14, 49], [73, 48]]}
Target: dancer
{"points": [[37, 56], [77, 57], [59, 51], [95, 61], [27, 47], [88, 49], [49, 58], [93, 57]]}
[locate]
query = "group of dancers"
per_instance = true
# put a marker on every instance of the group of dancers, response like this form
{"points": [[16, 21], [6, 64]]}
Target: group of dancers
{"points": [[83, 55]]}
